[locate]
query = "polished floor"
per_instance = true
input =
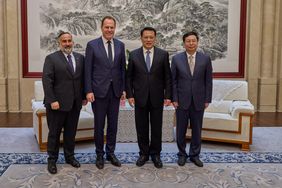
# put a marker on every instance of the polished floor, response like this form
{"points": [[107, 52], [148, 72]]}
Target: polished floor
{"points": [[261, 119], [268, 119]]}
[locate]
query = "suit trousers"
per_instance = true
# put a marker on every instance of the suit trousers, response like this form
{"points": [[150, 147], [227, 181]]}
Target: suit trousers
{"points": [[195, 119], [143, 117], [102, 108], [57, 120]]}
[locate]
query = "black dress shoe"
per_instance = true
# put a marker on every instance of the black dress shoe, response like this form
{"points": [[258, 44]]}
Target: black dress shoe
{"points": [[113, 159], [157, 161], [100, 161], [197, 162], [142, 160], [73, 162], [52, 168], [181, 160]]}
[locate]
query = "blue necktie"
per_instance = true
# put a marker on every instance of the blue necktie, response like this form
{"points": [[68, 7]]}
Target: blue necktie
{"points": [[70, 63], [148, 60], [110, 54]]}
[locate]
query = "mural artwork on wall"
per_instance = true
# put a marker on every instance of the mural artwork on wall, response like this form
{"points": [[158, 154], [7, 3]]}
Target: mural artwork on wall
{"points": [[218, 22]]}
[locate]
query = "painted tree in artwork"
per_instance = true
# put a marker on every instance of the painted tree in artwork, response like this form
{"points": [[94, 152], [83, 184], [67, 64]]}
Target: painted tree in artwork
{"points": [[214, 41], [211, 25]]}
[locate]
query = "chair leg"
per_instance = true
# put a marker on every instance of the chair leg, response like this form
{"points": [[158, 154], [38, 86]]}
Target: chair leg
{"points": [[43, 147], [245, 147]]}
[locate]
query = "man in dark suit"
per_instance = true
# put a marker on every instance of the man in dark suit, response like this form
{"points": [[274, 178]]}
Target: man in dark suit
{"points": [[63, 93], [104, 86], [192, 93], [148, 89]]}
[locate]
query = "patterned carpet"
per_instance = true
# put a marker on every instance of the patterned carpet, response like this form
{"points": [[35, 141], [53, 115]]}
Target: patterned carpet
{"points": [[221, 169], [225, 166]]}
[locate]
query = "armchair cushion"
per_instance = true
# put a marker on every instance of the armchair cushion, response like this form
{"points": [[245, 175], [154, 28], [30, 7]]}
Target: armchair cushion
{"points": [[219, 121], [219, 106]]}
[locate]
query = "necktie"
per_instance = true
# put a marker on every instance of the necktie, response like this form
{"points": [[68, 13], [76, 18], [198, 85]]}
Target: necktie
{"points": [[110, 54], [70, 63], [191, 64], [148, 60]]}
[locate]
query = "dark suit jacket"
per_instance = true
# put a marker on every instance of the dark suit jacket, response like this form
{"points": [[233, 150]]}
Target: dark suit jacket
{"points": [[141, 83], [60, 84], [99, 72], [185, 86]]}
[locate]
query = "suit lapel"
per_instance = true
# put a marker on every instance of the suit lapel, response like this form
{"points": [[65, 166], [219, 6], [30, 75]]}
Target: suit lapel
{"points": [[116, 50], [197, 62], [155, 59], [142, 59], [103, 52], [64, 60], [185, 63], [77, 63]]}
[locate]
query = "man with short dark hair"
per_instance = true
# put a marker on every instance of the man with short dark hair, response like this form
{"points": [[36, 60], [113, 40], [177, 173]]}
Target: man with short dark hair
{"points": [[63, 93], [192, 93], [148, 90], [105, 86]]}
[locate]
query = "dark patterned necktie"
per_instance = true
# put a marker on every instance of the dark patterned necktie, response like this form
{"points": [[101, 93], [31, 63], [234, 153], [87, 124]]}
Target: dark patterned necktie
{"points": [[70, 63], [110, 53]]}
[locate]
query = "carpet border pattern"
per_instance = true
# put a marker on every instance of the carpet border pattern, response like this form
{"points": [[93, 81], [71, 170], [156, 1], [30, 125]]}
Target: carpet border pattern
{"points": [[7, 159]]}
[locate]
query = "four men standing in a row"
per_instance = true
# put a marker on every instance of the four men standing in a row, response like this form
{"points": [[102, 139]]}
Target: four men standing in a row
{"points": [[149, 83]]}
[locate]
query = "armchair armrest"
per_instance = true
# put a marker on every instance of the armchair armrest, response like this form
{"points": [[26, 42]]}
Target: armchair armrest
{"points": [[238, 107], [38, 107]]}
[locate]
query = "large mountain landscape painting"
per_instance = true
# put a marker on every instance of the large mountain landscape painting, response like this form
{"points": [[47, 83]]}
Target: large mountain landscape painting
{"points": [[171, 18], [220, 24]]}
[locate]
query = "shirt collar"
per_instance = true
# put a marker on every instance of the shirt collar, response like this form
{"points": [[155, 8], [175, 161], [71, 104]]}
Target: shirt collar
{"points": [[66, 55], [105, 41], [151, 50], [193, 55]]}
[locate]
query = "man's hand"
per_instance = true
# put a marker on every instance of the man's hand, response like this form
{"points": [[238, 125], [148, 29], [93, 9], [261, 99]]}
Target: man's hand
{"points": [[84, 102], [167, 102], [123, 97], [90, 97], [175, 104], [55, 105], [131, 102], [206, 105]]}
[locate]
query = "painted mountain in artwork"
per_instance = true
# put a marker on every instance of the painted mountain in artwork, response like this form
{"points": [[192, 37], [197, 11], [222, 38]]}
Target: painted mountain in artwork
{"points": [[171, 18]]}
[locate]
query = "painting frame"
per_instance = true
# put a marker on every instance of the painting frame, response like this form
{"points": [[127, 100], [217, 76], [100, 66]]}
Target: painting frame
{"points": [[239, 73]]}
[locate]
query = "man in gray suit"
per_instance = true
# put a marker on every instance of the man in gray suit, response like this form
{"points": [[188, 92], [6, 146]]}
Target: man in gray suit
{"points": [[63, 97], [192, 93], [105, 86]]}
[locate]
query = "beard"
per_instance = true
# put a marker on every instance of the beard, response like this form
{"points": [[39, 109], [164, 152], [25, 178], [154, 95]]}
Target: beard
{"points": [[67, 49]]}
